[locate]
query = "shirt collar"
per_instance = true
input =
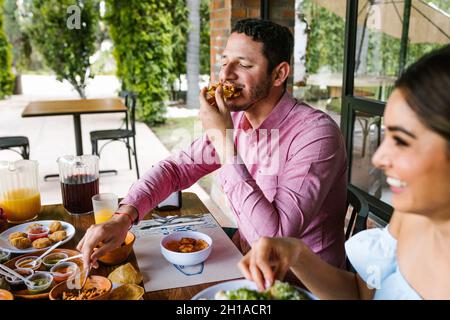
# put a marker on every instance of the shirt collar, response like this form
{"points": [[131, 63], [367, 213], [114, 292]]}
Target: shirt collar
{"points": [[275, 117]]}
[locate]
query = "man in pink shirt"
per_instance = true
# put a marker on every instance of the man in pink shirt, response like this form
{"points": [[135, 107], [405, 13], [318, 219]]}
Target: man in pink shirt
{"points": [[281, 163]]}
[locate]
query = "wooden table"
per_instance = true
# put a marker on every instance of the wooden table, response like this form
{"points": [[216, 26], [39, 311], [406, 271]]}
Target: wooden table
{"points": [[74, 108], [191, 205]]}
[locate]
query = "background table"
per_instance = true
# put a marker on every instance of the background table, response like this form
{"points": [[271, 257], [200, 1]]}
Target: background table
{"points": [[74, 108]]}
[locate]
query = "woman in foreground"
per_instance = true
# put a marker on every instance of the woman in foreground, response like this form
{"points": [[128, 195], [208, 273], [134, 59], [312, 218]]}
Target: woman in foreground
{"points": [[408, 259]]}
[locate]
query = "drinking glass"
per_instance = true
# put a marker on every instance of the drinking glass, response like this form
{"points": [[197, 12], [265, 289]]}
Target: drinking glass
{"points": [[104, 204]]}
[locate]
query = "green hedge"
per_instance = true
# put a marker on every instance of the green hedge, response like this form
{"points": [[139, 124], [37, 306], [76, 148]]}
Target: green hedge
{"points": [[142, 36], [6, 76]]}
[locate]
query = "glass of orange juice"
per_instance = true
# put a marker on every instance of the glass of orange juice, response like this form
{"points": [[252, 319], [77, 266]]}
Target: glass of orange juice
{"points": [[104, 205], [19, 191]]}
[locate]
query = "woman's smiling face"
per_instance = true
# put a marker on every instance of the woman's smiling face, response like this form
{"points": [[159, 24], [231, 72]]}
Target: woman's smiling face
{"points": [[416, 161]]}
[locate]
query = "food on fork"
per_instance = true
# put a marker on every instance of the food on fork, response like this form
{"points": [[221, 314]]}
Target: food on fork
{"points": [[229, 91]]}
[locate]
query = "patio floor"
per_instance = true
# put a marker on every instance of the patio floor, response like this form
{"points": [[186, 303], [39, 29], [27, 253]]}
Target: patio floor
{"points": [[53, 136]]}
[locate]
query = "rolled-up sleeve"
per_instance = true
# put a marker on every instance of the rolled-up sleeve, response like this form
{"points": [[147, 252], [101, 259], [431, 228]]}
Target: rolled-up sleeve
{"points": [[177, 172]]}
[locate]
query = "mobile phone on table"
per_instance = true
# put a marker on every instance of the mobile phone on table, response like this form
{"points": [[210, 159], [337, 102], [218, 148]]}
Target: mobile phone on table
{"points": [[172, 202]]}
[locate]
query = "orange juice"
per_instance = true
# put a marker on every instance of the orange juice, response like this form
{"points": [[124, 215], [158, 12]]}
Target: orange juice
{"points": [[21, 205], [102, 215]]}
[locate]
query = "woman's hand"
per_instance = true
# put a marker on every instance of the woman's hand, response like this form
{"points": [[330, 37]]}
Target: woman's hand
{"points": [[270, 259], [110, 233]]}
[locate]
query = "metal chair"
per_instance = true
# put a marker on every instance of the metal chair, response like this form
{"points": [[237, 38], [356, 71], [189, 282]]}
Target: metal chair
{"points": [[122, 135], [21, 142], [358, 207]]}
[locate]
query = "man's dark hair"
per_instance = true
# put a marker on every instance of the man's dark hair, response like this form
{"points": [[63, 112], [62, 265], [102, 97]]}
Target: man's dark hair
{"points": [[277, 40]]}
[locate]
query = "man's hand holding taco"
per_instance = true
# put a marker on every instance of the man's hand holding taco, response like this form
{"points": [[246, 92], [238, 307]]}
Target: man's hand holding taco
{"points": [[216, 118]]}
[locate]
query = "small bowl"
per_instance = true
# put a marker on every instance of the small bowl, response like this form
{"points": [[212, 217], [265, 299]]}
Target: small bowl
{"points": [[6, 295], [42, 281], [98, 282], [190, 258], [63, 270], [121, 253], [5, 255], [25, 262], [14, 282], [37, 232], [53, 258]]}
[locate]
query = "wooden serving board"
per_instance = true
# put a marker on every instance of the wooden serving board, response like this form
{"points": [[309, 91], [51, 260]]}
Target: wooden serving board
{"points": [[24, 294]]}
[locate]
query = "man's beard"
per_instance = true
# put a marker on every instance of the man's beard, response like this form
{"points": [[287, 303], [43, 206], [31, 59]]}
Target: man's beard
{"points": [[260, 92]]}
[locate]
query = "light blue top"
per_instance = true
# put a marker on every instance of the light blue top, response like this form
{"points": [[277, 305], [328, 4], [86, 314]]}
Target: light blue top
{"points": [[373, 254]]}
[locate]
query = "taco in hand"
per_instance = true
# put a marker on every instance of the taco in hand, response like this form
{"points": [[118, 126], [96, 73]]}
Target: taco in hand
{"points": [[229, 91]]}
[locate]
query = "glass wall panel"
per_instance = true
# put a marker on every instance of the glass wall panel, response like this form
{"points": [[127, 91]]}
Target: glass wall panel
{"points": [[319, 54], [379, 59], [367, 136]]}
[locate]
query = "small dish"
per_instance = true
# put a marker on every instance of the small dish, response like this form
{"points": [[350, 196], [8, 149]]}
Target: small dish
{"points": [[63, 270], [53, 258], [121, 253], [17, 283], [41, 282], [186, 258], [5, 255], [93, 283], [37, 232], [25, 262], [6, 295]]}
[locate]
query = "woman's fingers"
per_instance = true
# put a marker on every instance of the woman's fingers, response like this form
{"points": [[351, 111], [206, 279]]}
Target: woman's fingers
{"points": [[244, 266], [262, 259]]}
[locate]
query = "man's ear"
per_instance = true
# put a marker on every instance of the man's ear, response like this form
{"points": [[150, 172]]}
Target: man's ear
{"points": [[280, 73]]}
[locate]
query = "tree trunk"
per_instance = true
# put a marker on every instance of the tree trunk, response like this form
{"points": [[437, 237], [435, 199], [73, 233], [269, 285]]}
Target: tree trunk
{"points": [[193, 54], [18, 84]]}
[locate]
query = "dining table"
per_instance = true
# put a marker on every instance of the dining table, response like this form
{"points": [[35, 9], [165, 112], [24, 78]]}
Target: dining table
{"points": [[192, 205], [74, 108]]}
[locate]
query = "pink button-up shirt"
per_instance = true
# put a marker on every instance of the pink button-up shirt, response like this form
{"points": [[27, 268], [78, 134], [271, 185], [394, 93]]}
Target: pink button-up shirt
{"points": [[289, 179]]}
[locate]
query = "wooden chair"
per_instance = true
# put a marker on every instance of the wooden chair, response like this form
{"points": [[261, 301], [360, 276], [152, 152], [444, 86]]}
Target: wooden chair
{"points": [[21, 142], [122, 135]]}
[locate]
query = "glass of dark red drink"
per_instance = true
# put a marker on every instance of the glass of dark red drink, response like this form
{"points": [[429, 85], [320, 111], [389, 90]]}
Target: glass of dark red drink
{"points": [[79, 177]]}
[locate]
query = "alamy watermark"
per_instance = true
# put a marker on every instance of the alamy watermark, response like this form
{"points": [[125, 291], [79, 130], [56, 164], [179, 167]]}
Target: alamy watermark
{"points": [[74, 18]]}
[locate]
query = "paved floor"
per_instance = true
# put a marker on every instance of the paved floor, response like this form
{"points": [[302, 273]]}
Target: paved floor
{"points": [[51, 137]]}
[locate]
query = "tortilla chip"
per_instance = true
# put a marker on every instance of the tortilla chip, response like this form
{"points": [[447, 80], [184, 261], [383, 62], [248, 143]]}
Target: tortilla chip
{"points": [[127, 292], [125, 274]]}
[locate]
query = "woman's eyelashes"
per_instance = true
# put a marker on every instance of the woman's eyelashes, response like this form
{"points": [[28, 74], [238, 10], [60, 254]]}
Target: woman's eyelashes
{"points": [[400, 142]]}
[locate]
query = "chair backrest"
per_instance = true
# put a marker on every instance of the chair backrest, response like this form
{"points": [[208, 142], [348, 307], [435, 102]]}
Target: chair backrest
{"points": [[359, 211], [130, 102]]}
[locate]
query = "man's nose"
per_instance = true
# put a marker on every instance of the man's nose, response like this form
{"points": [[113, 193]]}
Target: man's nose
{"points": [[227, 72]]}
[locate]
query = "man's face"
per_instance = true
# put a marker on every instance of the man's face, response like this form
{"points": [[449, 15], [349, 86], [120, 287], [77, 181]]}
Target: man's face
{"points": [[244, 65]]}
